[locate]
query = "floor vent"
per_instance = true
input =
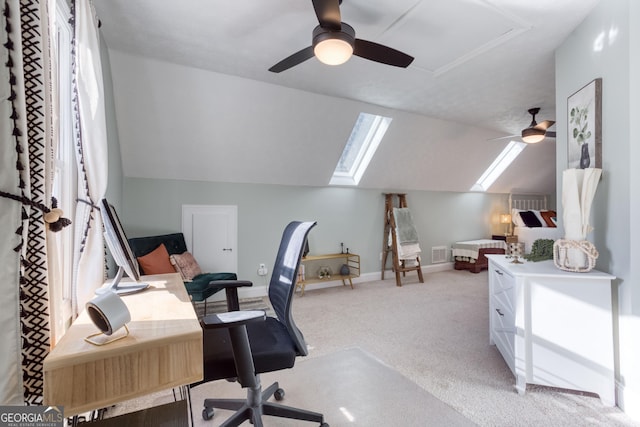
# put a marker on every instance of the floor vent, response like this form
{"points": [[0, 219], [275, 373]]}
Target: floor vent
{"points": [[439, 254]]}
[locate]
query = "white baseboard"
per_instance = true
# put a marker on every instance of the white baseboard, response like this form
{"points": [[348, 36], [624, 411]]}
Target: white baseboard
{"points": [[257, 291], [373, 276]]}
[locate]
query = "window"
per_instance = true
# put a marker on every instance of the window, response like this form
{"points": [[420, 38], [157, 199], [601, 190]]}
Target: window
{"points": [[360, 148], [65, 179], [499, 165]]}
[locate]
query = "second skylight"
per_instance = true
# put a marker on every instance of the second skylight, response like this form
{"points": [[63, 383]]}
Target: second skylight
{"points": [[362, 144]]}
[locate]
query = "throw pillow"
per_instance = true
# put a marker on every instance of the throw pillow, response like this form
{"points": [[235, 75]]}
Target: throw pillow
{"points": [[186, 265], [549, 217], [530, 219], [156, 261], [538, 215]]}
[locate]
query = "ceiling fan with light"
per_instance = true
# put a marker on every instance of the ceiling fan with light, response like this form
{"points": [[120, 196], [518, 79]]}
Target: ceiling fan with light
{"points": [[536, 132], [333, 42]]}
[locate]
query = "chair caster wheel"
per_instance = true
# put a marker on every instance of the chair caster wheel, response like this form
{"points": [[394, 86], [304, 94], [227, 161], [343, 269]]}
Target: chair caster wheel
{"points": [[279, 394], [207, 414]]}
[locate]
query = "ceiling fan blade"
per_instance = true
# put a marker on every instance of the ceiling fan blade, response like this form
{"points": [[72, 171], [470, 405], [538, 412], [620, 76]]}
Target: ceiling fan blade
{"points": [[379, 53], [550, 134], [544, 125], [504, 137], [293, 60], [328, 13]]}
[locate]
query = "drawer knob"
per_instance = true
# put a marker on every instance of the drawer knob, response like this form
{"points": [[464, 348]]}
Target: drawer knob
{"points": [[499, 272], [499, 312]]}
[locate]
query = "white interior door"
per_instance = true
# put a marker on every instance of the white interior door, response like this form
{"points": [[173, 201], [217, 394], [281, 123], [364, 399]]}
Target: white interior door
{"points": [[211, 235]]}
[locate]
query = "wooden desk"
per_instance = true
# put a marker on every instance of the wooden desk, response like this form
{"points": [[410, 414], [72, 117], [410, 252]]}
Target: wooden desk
{"points": [[163, 350]]}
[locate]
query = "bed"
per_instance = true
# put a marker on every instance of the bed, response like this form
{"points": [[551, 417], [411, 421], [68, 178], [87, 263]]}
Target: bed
{"points": [[532, 219]]}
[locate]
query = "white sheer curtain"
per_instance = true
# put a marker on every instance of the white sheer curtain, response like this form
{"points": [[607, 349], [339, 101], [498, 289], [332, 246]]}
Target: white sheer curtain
{"points": [[92, 155]]}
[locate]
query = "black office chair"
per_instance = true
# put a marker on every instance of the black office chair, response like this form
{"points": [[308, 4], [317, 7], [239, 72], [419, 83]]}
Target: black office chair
{"points": [[244, 344]]}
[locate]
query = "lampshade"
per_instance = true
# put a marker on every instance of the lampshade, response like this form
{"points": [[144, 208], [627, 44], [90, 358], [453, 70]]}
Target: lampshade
{"points": [[505, 219], [533, 135], [333, 51]]}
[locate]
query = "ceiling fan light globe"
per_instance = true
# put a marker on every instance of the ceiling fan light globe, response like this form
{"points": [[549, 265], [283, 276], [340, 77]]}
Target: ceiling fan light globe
{"points": [[333, 51], [532, 136]]}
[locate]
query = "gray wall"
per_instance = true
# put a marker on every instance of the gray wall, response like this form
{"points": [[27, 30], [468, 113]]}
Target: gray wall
{"points": [[607, 45], [351, 216]]}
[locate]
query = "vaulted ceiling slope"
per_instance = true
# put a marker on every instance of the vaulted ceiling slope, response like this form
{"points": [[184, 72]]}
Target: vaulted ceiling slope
{"points": [[479, 66]]}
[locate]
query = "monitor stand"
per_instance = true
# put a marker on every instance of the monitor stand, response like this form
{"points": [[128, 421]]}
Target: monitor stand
{"points": [[123, 288]]}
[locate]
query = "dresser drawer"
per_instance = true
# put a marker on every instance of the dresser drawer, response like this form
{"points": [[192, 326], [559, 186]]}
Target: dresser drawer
{"points": [[502, 279], [505, 343], [502, 314]]}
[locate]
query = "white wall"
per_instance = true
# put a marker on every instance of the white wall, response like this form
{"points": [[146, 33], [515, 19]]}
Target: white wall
{"points": [[351, 216], [607, 45], [178, 122]]}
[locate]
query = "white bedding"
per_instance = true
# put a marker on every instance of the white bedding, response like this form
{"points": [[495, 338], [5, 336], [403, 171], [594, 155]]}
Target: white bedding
{"points": [[528, 235]]}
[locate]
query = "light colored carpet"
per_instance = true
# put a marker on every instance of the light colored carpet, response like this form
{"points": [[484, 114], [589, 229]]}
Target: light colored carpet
{"points": [[434, 334], [350, 388]]}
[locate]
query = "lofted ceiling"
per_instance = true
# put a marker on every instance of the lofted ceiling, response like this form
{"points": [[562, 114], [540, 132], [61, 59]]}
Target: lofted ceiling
{"points": [[480, 64]]}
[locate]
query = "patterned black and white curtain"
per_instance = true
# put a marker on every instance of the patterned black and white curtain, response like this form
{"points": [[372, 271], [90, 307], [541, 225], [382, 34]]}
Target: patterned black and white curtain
{"points": [[26, 155], [28, 141]]}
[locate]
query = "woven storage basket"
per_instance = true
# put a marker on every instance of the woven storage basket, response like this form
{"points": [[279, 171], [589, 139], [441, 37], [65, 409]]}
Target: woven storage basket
{"points": [[578, 256]]}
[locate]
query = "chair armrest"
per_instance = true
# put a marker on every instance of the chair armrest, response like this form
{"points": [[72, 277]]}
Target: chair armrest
{"points": [[231, 283], [232, 318], [231, 289]]}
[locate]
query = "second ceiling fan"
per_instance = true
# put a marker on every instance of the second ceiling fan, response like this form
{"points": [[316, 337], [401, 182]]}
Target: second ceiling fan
{"points": [[535, 132], [333, 42]]}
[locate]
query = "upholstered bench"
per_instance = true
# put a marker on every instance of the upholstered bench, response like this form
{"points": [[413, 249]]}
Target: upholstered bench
{"points": [[482, 263], [202, 286]]}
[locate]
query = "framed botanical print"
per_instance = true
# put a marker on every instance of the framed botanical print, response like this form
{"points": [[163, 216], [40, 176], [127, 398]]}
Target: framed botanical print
{"points": [[584, 119]]}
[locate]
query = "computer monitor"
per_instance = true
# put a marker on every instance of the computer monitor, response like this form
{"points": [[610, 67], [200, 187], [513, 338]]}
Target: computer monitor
{"points": [[121, 251]]}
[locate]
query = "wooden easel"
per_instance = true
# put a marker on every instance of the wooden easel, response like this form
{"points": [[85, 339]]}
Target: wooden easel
{"points": [[390, 227]]}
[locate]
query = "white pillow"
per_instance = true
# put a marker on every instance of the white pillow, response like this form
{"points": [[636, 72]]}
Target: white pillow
{"points": [[515, 217]]}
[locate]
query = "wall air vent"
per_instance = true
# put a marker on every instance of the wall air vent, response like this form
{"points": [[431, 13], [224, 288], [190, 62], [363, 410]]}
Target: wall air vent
{"points": [[439, 254]]}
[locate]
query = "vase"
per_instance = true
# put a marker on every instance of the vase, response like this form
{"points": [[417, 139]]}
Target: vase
{"points": [[584, 157], [345, 270]]}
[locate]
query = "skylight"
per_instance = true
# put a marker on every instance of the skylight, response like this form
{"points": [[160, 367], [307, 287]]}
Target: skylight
{"points": [[360, 148], [499, 165]]}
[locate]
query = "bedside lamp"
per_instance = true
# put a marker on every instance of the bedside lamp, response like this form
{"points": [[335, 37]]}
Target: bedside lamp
{"points": [[506, 219]]}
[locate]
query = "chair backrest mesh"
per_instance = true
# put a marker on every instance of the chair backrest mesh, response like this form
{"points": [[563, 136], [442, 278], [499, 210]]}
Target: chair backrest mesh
{"points": [[284, 275]]}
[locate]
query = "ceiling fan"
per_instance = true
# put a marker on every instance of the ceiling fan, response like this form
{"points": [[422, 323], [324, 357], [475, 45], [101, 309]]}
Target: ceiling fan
{"points": [[536, 132], [333, 42]]}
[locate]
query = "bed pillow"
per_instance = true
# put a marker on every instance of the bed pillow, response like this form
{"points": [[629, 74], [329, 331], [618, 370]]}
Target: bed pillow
{"points": [[156, 261], [549, 217], [538, 214], [186, 265], [515, 217], [530, 219]]}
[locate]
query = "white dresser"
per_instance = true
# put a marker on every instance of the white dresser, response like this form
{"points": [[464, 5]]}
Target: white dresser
{"points": [[553, 327]]}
